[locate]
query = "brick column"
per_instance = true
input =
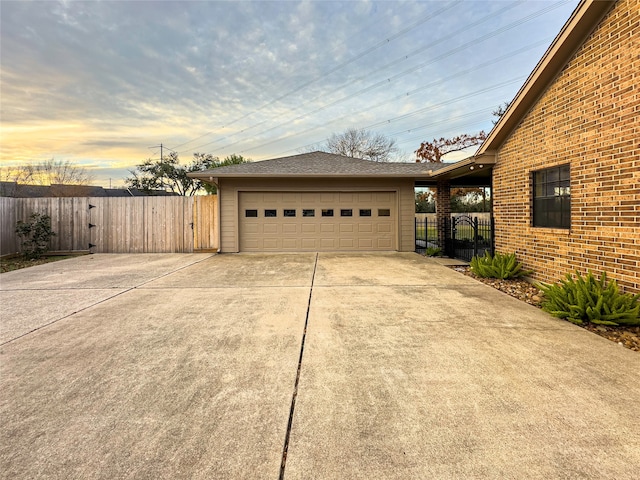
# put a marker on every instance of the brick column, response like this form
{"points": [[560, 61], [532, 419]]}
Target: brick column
{"points": [[443, 212]]}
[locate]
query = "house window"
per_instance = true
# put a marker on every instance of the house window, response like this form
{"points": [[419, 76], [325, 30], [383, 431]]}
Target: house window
{"points": [[308, 212], [552, 197], [251, 213], [327, 212], [365, 212], [384, 212], [289, 213], [346, 212], [270, 213]]}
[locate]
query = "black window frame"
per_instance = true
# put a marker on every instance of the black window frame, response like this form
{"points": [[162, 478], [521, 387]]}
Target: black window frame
{"points": [[551, 197], [289, 212], [365, 212], [346, 212], [308, 212], [327, 212], [270, 213], [251, 213], [384, 212]]}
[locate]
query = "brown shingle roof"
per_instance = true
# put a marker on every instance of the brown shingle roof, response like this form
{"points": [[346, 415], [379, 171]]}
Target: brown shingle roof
{"points": [[320, 164]]}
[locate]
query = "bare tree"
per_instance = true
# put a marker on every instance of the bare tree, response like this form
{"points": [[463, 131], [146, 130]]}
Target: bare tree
{"points": [[498, 112], [434, 151], [47, 173], [360, 143]]}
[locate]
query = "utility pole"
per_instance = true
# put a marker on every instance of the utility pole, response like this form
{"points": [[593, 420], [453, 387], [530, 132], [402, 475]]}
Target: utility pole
{"points": [[162, 158], [161, 150]]}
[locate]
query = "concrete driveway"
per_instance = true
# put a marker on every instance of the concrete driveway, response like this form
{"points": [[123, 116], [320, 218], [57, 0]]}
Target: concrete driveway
{"points": [[345, 366]]}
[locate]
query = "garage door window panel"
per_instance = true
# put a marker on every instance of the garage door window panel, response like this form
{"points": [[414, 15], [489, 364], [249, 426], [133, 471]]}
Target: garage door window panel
{"points": [[289, 213], [346, 212], [384, 212], [251, 213], [270, 213], [327, 212], [308, 212]]}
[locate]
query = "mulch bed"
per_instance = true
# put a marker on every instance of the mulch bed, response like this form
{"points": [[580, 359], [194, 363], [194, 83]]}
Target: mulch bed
{"points": [[628, 337]]}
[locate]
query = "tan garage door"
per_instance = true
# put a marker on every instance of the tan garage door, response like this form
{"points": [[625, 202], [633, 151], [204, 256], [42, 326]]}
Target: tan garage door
{"points": [[317, 221]]}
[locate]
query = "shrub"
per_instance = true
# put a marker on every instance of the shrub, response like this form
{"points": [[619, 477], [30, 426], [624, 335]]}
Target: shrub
{"points": [[433, 251], [35, 235], [587, 299], [498, 266]]}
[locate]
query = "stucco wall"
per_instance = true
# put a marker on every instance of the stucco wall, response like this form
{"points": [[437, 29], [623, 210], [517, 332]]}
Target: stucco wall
{"points": [[588, 118], [229, 189]]}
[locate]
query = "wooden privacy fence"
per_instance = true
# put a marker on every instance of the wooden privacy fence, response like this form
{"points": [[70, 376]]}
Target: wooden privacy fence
{"points": [[117, 225]]}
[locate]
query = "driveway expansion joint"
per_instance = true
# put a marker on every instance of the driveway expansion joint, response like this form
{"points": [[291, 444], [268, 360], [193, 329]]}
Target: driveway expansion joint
{"points": [[285, 449]]}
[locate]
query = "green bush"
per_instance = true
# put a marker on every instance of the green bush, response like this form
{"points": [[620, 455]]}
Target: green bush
{"points": [[587, 299], [35, 235], [498, 266], [433, 251]]}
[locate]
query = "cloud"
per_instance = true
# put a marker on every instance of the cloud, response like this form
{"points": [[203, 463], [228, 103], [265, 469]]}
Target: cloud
{"points": [[105, 80]]}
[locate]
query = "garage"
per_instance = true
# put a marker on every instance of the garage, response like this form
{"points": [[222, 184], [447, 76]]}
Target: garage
{"points": [[317, 221], [316, 202]]}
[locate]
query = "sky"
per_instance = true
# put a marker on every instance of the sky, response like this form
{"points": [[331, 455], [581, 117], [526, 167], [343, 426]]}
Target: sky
{"points": [[103, 83]]}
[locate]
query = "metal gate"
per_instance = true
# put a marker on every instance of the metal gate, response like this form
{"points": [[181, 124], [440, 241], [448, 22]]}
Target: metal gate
{"points": [[467, 237]]}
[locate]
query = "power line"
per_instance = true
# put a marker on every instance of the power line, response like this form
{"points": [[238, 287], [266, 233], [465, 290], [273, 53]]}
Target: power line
{"points": [[403, 95], [161, 149], [382, 82], [367, 51], [402, 117], [408, 71]]}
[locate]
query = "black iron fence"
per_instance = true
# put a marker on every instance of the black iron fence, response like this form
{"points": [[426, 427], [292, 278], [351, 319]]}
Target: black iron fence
{"points": [[427, 235], [465, 236]]}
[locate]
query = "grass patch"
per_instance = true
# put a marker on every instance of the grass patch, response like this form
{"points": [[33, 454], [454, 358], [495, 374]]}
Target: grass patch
{"points": [[431, 232], [16, 263]]}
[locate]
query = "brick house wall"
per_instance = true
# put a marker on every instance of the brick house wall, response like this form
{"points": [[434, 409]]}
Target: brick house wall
{"points": [[589, 118]]}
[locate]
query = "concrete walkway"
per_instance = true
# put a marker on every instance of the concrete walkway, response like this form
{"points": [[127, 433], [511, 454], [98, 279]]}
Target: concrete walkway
{"points": [[186, 366]]}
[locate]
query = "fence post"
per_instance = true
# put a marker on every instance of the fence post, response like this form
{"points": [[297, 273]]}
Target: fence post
{"points": [[475, 236], [492, 226]]}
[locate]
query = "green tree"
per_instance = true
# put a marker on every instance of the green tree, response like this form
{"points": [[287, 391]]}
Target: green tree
{"points": [[233, 159], [425, 202], [168, 174]]}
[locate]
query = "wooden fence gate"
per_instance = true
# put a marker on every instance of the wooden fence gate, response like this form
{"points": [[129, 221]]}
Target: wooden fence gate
{"points": [[117, 225]]}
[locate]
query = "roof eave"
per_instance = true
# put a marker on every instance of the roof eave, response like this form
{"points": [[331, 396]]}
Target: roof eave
{"points": [[581, 24], [465, 167], [208, 176]]}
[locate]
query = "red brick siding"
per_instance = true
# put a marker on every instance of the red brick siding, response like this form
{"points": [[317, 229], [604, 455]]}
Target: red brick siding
{"points": [[588, 118]]}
